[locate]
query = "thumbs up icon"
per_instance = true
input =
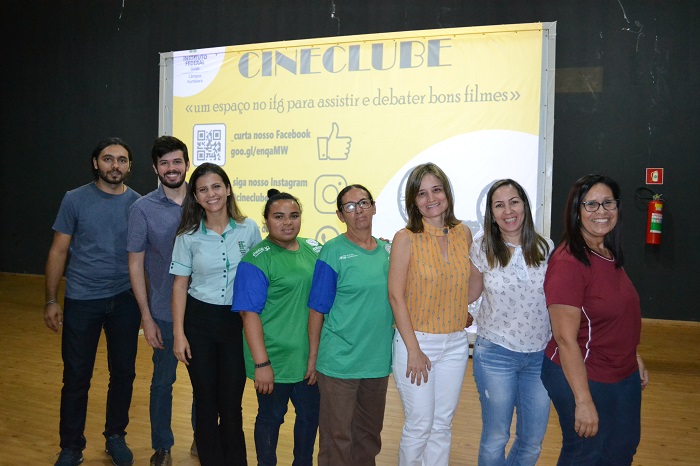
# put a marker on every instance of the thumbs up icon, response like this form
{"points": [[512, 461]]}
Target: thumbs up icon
{"points": [[334, 147]]}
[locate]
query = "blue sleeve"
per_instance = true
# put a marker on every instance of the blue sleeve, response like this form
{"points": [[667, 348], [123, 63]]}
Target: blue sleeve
{"points": [[249, 289], [323, 287], [137, 233], [65, 219]]}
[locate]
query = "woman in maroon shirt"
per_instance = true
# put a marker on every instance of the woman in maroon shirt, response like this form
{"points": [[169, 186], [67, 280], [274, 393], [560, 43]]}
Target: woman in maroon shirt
{"points": [[591, 369]]}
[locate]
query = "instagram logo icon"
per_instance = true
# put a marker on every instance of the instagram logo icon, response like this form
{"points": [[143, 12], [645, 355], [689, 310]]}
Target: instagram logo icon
{"points": [[326, 189]]}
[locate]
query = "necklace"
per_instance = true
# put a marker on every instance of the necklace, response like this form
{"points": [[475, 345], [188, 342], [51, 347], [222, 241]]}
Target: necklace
{"points": [[602, 257]]}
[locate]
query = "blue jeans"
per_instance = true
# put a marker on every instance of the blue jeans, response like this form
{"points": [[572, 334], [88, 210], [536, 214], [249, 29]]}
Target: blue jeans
{"points": [[164, 376], [83, 321], [271, 411], [619, 418], [508, 380]]}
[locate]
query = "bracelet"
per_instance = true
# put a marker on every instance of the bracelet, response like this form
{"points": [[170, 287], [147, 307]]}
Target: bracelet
{"points": [[50, 301], [263, 364]]}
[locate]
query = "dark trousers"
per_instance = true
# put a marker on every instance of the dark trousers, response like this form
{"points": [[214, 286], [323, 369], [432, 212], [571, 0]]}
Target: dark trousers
{"points": [[217, 372], [83, 322], [271, 411], [619, 416]]}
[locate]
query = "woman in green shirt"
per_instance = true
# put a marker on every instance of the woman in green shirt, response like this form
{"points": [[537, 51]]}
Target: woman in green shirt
{"points": [[270, 293]]}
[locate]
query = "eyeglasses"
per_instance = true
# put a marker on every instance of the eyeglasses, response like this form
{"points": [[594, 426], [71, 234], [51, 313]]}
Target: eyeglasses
{"points": [[350, 207], [593, 206]]}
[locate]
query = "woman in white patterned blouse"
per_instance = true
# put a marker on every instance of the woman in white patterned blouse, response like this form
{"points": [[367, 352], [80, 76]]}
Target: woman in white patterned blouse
{"points": [[513, 328]]}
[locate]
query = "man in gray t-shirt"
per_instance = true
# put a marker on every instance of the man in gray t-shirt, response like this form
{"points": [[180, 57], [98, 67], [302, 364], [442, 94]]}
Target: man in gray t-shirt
{"points": [[153, 222], [91, 228]]}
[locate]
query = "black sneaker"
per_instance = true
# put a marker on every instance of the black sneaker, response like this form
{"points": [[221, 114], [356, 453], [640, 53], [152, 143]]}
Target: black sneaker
{"points": [[117, 449], [69, 457], [161, 458]]}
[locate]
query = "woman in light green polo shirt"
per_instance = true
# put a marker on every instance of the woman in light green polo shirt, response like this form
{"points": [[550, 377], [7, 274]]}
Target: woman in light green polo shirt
{"points": [[212, 238]]}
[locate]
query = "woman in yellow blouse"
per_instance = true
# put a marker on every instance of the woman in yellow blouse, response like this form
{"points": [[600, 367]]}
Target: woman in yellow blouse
{"points": [[430, 286]]}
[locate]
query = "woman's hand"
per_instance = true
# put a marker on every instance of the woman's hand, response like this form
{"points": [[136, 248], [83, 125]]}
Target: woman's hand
{"points": [[470, 320], [565, 324], [418, 367], [418, 364], [311, 370], [264, 380], [586, 419], [181, 349], [643, 372]]}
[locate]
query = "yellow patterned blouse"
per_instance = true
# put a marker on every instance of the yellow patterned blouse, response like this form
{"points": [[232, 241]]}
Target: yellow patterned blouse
{"points": [[437, 289]]}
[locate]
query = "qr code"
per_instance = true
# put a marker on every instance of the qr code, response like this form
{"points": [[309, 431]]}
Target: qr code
{"points": [[210, 144]]}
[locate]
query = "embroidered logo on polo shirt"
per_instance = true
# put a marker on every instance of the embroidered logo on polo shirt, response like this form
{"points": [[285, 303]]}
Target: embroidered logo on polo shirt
{"points": [[242, 248]]}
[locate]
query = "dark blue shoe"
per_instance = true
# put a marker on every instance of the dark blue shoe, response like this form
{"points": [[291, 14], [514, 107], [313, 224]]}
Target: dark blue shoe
{"points": [[69, 457], [117, 449]]}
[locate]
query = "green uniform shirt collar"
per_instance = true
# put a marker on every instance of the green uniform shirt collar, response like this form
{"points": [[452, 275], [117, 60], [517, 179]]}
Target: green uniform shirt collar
{"points": [[231, 226]]}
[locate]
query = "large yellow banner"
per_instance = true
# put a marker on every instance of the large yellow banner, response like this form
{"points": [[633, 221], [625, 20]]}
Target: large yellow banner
{"points": [[311, 116]]}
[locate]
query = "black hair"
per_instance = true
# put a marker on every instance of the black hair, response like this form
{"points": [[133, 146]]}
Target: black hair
{"points": [[274, 195], [192, 212], [572, 237], [535, 247], [165, 145], [111, 141], [344, 191]]}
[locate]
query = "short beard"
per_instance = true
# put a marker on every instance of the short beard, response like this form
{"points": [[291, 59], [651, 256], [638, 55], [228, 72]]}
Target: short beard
{"points": [[170, 185], [105, 177]]}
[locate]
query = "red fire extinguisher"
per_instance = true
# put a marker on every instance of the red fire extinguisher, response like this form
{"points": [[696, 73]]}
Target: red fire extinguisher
{"points": [[654, 219]]}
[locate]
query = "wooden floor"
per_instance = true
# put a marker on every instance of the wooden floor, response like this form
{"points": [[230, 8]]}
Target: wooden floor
{"points": [[30, 383]]}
